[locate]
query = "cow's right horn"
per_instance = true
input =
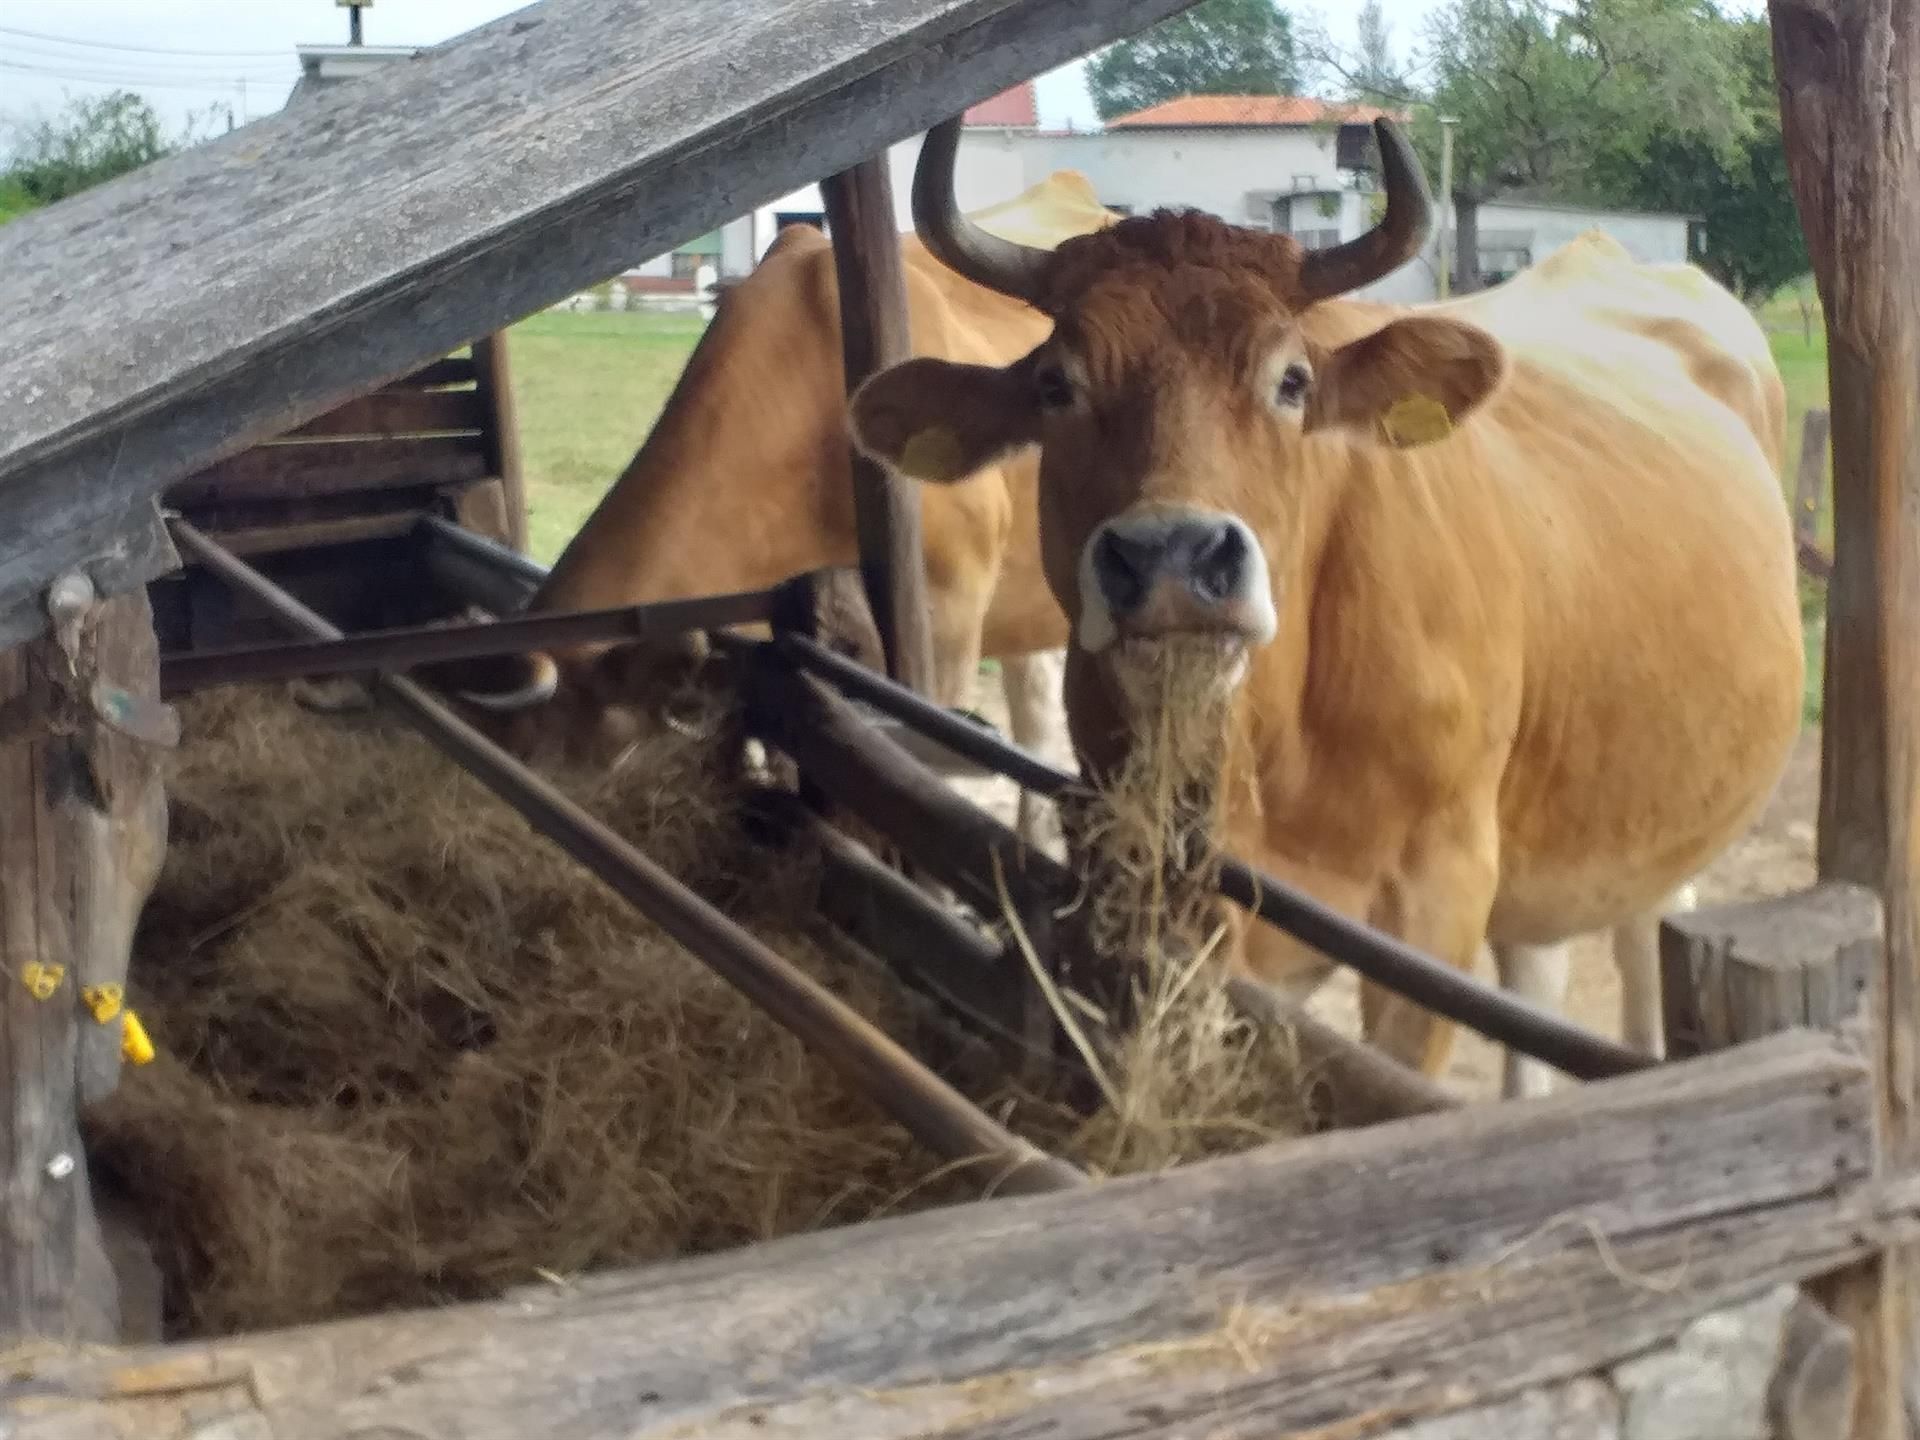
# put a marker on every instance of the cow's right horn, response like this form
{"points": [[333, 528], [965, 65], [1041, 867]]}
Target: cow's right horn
{"points": [[956, 242], [1399, 236]]}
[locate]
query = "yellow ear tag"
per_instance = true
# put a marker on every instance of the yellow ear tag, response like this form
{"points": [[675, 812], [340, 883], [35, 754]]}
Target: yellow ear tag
{"points": [[104, 1001], [1417, 420], [136, 1047], [933, 453], [42, 980]]}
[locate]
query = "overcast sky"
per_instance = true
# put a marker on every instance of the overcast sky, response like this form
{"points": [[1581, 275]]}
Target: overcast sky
{"points": [[187, 55]]}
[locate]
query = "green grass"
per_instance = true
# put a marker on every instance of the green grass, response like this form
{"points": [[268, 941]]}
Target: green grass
{"points": [[589, 386]]}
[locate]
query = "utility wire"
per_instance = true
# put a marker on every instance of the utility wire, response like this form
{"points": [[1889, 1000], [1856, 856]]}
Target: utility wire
{"points": [[138, 49]]}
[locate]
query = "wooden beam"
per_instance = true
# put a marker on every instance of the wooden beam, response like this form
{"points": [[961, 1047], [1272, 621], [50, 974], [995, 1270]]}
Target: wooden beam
{"points": [[1319, 1288], [291, 470], [1849, 80], [502, 431], [344, 243], [399, 410], [873, 330], [82, 831]]}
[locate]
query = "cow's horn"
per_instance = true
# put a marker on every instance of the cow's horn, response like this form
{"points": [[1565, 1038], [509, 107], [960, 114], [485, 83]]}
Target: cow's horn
{"points": [[1399, 236], [956, 242]]}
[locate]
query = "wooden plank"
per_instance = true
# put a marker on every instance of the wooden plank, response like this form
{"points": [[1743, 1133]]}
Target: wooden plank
{"points": [[1314, 1288], [326, 249], [448, 370], [1849, 80], [501, 425], [82, 832], [291, 470], [873, 327], [401, 412]]}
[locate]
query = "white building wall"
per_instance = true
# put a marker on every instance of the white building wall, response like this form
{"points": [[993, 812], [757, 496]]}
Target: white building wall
{"points": [[1655, 239], [1212, 170]]}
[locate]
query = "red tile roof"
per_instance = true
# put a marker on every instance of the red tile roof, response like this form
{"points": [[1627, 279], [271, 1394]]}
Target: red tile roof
{"points": [[1010, 107], [1249, 111]]}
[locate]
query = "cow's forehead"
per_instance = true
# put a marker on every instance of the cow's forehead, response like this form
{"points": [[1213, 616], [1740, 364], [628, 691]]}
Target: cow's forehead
{"points": [[1136, 324]]}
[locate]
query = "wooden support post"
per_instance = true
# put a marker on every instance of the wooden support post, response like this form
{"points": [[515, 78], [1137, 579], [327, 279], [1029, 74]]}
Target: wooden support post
{"points": [[1736, 973], [873, 329], [494, 383], [82, 831], [1849, 78]]}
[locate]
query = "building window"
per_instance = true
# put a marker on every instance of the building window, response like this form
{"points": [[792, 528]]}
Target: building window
{"points": [[783, 218], [686, 264], [1319, 238]]}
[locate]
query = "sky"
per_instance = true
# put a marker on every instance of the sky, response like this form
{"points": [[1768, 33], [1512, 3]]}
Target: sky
{"points": [[189, 55]]}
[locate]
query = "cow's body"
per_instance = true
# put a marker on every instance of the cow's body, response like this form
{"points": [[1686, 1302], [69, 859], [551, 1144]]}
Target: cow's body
{"points": [[743, 481], [1513, 678]]}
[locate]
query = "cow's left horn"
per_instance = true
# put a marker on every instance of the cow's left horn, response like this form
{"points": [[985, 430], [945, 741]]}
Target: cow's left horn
{"points": [[956, 242], [1399, 236]]}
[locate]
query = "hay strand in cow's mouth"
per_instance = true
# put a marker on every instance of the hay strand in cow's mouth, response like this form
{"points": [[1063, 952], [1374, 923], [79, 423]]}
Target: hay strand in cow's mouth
{"points": [[1187, 1071]]}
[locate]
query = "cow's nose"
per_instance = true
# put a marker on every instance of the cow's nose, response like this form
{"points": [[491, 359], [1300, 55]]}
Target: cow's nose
{"points": [[1170, 572]]}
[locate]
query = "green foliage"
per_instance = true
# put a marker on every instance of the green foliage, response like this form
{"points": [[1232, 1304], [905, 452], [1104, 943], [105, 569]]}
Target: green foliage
{"points": [[1375, 74], [94, 139], [1219, 47], [1754, 243], [1547, 96]]}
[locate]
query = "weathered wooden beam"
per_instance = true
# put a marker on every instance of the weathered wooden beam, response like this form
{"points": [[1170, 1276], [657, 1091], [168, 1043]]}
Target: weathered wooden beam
{"points": [[297, 470], [82, 832], [873, 328], [1849, 81], [500, 172], [400, 410], [502, 430], [929, 1109], [1315, 1288]]}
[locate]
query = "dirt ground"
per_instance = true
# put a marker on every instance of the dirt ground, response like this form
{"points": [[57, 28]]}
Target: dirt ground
{"points": [[1774, 857]]}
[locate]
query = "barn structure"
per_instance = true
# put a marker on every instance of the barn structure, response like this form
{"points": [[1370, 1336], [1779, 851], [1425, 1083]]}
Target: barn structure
{"points": [[1433, 1270]]}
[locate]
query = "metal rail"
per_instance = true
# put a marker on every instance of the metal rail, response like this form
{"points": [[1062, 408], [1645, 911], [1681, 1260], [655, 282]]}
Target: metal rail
{"points": [[936, 1114], [1392, 964], [404, 647]]}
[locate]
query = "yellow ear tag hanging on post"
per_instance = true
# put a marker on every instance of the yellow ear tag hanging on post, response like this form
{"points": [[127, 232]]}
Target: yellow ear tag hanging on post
{"points": [[104, 1001], [42, 980], [932, 453], [136, 1047], [1417, 420]]}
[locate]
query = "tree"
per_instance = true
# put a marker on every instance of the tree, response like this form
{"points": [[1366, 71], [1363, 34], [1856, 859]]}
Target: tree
{"points": [[1754, 243], [1551, 98], [1219, 47], [1375, 75], [93, 139]]}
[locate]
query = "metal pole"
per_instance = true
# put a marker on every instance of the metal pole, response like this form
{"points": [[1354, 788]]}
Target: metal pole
{"points": [[353, 25]]}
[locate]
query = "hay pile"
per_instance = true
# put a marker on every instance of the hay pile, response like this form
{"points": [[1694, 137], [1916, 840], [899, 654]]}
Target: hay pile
{"points": [[411, 1053]]}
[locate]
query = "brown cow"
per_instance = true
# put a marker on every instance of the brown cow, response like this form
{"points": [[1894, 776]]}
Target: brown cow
{"points": [[743, 482], [1510, 579]]}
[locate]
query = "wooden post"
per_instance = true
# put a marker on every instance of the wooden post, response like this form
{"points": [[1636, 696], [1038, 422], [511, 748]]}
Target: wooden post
{"points": [[82, 830], [1849, 77], [494, 384], [874, 335], [1735, 973]]}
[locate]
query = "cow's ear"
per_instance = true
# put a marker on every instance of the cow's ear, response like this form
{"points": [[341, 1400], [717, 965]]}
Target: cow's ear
{"points": [[938, 421], [1409, 383]]}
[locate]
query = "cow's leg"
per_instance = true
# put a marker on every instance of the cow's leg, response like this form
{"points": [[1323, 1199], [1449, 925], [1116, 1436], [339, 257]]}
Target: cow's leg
{"points": [[1437, 899], [1536, 973], [1037, 717], [1636, 954]]}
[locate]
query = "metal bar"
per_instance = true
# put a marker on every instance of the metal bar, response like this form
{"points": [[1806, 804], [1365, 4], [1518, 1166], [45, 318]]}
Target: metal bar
{"points": [[1390, 963], [936, 1114], [490, 553], [405, 647]]}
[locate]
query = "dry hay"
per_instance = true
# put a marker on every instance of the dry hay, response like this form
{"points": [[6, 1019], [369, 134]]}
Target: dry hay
{"points": [[1188, 1075], [412, 1053]]}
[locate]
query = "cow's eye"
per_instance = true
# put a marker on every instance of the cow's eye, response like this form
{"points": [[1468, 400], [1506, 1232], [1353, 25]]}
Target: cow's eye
{"points": [[1054, 390], [1291, 392]]}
